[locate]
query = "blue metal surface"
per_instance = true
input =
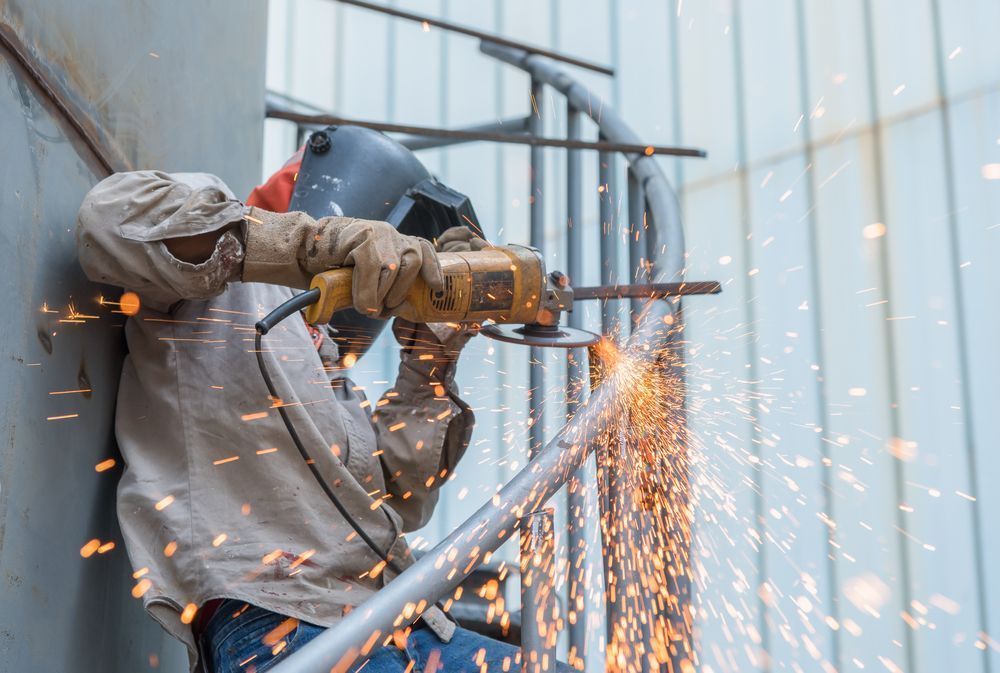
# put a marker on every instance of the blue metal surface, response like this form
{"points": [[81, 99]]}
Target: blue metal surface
{"points": [[145, 75]]}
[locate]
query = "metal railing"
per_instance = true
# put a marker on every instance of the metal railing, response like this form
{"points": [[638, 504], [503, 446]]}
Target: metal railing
{"points": [[657, 249]]}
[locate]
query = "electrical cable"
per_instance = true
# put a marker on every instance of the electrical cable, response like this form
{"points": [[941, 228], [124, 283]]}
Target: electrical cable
{"points": [[291, 306], [265, 325]]}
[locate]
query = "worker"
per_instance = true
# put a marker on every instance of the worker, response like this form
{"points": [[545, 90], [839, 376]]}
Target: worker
{"points": [[237, 550]]}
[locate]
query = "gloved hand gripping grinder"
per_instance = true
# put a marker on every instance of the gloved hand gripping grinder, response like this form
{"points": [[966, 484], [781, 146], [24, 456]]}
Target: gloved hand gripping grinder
{"points": [[505, 285]]}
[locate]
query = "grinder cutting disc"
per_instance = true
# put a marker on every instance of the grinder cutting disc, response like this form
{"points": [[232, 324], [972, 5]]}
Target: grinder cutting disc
{"points": [[556, 336]]}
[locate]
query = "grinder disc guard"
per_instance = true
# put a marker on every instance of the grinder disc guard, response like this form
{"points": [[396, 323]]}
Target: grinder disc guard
{"points": [[557, 336]]}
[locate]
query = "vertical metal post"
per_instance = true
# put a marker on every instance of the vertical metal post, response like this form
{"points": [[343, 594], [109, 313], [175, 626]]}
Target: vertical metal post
{"points": [[536, 381], [609, 238], [638, 256], [538, 598], [609, 457], [582, 483]]}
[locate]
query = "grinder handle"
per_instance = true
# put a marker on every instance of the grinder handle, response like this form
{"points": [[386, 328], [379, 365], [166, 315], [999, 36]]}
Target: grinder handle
{"points": [[336, 293]]}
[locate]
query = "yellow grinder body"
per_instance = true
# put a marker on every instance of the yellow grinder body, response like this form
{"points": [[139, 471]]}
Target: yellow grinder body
{"points": [[504, 285]]}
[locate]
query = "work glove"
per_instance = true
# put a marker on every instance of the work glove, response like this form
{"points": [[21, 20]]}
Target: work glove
{"points": [[460, 239], [290, 248], [442, 341]]}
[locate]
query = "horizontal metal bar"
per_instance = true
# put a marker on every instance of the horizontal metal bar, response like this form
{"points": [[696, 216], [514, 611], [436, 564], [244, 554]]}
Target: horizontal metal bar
{"points": [[514, 126], [279, 99], [646, 290], [489, 37], [601, 146]]}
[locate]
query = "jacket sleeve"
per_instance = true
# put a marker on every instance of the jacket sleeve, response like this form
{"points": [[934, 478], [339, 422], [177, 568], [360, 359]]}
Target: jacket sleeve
{"points": [[423, 430], [125, 219]]}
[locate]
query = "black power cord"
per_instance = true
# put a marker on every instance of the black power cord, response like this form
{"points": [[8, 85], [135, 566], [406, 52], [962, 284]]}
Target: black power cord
{"points": [[265, 325], [294, 305]]}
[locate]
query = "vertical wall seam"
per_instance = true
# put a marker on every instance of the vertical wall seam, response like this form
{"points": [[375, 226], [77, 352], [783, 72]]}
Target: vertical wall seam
{"points": [[885, 279], [817, 319], [501, 206], [674, 68], [751, 315], [443, 93], [968, 422], [389, 355], [338, 65]]}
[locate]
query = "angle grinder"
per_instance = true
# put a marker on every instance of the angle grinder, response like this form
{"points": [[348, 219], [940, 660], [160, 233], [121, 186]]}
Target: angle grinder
{"points": [[505, 286]]}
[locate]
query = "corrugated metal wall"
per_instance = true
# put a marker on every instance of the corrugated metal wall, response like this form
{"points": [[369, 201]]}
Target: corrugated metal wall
{"points": [[176, 87], [844, 385]]}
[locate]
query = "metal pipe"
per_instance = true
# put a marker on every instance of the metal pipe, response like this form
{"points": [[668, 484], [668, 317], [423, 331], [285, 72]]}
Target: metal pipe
{"points": [[513, 127], [539, 616], [434, 575], [665, 246], [582, 483], [320, 120], [609, 239], [646, 291], [667, 239], [471, 32], [536, 209], [637, 247], [608, 459]]}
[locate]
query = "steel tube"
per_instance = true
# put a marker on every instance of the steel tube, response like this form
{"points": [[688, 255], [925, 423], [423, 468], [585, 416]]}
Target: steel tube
{"points": [[321, 120], [472, 32], [514, 127], [667, 238], [433, 575], [665, 247], [536, 208], [582, 483], [637, 246], [609, 238], [538, 598]]}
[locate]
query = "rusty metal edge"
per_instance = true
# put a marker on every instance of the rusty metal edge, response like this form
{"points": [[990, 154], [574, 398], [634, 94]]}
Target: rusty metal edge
{"points": [[110, 160]]}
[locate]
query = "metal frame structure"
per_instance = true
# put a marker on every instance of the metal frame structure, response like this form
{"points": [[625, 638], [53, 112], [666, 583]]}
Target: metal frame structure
{"points": [[659, 250]]}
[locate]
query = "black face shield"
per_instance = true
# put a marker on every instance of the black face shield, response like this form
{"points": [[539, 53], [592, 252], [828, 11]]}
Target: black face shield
{"points": [[356, 172]]}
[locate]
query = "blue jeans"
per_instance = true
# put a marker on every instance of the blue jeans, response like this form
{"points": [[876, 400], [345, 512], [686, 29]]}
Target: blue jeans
{"points": [[236, 645]]}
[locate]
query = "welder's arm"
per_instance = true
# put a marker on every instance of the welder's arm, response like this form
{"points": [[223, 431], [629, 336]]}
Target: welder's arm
{"points": [[170, 237], [423, 426]]}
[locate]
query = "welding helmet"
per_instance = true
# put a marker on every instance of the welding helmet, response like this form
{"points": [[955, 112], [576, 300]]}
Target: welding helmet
{"points": [[357, 172]]}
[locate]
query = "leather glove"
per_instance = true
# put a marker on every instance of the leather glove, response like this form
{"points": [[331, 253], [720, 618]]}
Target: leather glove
{"points": [[460, 239], [444, 340], [290, 248], [439, 343]]}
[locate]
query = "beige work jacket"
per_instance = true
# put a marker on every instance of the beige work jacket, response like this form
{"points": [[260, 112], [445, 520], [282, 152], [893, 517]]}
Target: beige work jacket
{"points": [[215, 501]]}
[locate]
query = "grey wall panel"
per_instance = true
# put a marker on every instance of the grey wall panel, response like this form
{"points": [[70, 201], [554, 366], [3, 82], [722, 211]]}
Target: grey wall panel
{"points": [[707, 96], [868, 581], [969, 47], [974, 133], [52, 501], [769, 58], [929, 395], [171, 94], [903, 59], [837, 67], [725, 463], [163, 79], [794, 549]]}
